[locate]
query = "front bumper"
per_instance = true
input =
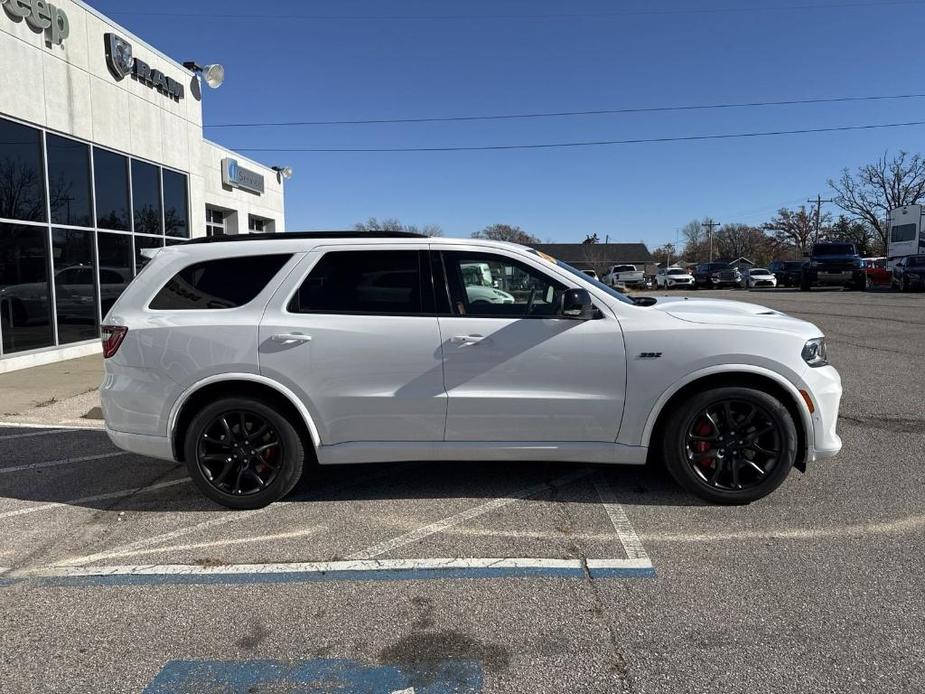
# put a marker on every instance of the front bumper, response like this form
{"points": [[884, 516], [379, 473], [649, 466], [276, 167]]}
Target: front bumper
{"points": [[825, 389]]}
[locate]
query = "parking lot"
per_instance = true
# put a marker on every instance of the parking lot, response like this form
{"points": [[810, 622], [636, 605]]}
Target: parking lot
{"points": [[120, 576]]}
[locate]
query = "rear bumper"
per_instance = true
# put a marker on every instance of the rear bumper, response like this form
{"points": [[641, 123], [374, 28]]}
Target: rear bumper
{"points": [[141, 444]]}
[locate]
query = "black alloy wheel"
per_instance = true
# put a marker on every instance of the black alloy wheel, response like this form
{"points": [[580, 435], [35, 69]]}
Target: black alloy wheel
{"points": [[243, 453], [731, 445], [240, 453]]}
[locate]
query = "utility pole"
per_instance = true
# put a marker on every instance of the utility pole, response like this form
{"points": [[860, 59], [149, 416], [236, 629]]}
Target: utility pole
{"points": [[710, 225], [818, 203]]}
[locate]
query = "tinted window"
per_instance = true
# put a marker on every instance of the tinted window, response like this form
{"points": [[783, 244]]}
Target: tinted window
{"points": [[146, 198], [903, 232], [493, 285], [75, 285], [142, 243], [115, 252], [917, 261], [69, 182], [111, 173], [22, 181], [219, 284], [362, 282], [24, 295], [176, 210]]}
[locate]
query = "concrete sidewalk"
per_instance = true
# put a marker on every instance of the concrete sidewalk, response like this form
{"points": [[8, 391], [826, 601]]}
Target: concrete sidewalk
{"points": [[60, 393]]}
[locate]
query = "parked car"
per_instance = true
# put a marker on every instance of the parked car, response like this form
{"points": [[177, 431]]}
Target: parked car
{"points": [[626, 275], [787, 272], [704, 272], [833, 264], [673, 278], [909, 273], [591, 273], [246, 356], [729, 277], [757, 277], [876, 273]]}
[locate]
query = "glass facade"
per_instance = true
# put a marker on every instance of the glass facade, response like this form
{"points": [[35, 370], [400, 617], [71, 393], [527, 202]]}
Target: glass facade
{"points": [[74, 220]]}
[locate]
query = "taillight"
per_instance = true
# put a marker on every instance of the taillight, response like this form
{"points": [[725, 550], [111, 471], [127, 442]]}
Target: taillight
{"points": [[113, 335]]}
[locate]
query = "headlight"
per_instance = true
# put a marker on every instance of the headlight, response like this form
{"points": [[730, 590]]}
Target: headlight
{"points": [[815, 354]]}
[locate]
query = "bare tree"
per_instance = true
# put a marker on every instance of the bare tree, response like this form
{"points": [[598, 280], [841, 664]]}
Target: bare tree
{"points": [[877, 188], [506, 232], [392, 224], [795, 228], [742, 241], [693, 233], [853, 231]]}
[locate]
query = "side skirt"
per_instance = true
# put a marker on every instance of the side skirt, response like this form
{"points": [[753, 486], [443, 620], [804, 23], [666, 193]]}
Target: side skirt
{"points": [[480, 451]]}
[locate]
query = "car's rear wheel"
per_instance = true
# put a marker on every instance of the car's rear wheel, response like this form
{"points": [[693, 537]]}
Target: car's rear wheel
{"points": [[243, 453], [731, 445]]}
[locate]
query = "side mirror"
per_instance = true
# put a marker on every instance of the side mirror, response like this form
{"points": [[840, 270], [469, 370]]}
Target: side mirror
{"points": [[576, 304]]}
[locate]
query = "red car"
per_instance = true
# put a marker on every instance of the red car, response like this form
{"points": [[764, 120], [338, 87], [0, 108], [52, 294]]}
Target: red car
{"points": [[876, 273]]}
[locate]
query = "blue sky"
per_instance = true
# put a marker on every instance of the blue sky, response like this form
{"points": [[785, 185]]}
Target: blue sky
{"points": [[282, 68]]}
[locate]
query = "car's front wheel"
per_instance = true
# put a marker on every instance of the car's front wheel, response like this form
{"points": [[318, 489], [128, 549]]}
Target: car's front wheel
{"points": [[731, 445], [243, 453]]}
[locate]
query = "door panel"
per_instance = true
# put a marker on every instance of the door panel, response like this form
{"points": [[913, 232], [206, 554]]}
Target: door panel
{"points": [[516, 372], [364, 377]]}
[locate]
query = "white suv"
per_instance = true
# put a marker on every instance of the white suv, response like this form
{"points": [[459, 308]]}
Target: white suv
{"points": [[246, 357]]}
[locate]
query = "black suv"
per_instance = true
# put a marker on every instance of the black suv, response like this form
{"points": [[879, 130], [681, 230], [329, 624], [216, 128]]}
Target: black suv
{"points": [[833, 264], [909, 273], [787, 272], [703, 274]]}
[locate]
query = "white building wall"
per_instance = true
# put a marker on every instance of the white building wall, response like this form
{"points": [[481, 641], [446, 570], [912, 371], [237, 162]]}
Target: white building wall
{"points": [[69, 89]]}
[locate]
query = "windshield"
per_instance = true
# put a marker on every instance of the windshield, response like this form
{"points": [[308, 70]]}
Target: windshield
{"points": [[916, 261], [834, 249], [760, 271], [597, 284], [677, 272]]}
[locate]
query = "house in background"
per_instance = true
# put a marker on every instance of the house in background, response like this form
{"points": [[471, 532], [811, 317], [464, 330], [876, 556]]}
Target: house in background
{"points": [[600, 257]]}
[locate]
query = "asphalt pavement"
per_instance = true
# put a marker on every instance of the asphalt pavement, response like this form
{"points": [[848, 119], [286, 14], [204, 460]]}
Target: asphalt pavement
{"points": [[120, 577]]}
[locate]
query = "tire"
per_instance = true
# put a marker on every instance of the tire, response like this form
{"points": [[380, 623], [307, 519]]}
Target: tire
{"points": [[202, 447], [903, 285], [805, 285], [688, 465]]}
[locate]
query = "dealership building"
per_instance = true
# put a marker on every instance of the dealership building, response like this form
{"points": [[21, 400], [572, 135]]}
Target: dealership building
{"points": [[102, 156]]}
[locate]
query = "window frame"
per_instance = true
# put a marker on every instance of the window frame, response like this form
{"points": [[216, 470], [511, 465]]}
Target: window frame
{"points": [[289, 256], [425, 279], [478, 252]]}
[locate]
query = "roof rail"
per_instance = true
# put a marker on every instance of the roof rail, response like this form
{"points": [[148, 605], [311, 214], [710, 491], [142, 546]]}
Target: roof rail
{"points": [[295, 235]]}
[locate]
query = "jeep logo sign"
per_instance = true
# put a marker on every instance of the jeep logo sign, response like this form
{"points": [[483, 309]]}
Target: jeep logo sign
{"points": [[238, 177], [122, 63], [41, 16]]}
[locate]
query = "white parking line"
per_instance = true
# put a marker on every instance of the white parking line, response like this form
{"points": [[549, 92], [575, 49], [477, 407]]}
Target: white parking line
{"points": [[227, 517], [372, 566], [91, 499], [89, 426], [628, 537], [298, 534], [457, 518], [49, 432], [57, 463]]}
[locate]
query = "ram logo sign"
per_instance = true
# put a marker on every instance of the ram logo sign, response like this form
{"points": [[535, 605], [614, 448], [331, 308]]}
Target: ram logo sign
{"points": [[122, 63]]}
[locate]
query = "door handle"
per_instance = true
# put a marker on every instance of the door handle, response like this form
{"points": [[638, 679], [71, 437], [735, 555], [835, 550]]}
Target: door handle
{"points": [[467, 339], [290, 338]]}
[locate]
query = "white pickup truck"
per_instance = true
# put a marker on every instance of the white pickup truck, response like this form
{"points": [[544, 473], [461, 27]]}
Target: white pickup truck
{"points": [[625, 275]]}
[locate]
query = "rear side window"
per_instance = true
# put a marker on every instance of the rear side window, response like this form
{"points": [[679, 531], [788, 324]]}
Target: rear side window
{"points": [[377, 282], [219, 284]]}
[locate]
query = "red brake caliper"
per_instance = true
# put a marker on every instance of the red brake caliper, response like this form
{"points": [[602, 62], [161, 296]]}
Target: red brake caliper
{"points": [[703, 428]]}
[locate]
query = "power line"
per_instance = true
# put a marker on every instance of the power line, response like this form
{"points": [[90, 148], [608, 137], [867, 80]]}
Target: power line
{"points": [[547, 16], [594, 143], [563, 114]]}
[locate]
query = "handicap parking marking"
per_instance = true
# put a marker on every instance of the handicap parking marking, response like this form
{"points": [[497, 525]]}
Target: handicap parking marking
{"points": [[369, 570], [329, 675]]}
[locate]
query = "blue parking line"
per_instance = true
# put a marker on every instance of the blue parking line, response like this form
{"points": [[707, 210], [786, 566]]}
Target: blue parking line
{"points": [[316, 576], [327, 675]]}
